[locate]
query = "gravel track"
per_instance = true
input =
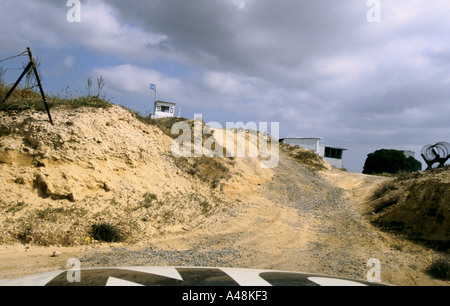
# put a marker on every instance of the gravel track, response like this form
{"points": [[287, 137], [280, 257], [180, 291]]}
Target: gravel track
{"points": [[294, 187], [298, 222]]}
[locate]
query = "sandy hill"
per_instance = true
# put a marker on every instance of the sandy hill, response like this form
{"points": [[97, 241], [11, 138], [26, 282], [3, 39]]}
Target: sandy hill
{"points": [[103, 165], [97, 165], [106, 165]]}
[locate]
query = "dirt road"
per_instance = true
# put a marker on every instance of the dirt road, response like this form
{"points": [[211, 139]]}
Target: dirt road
{"points": [[280, 224]]}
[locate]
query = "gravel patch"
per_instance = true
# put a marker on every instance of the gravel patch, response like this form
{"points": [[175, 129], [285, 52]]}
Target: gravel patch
{"points": [[295, 186], [151, 256]]}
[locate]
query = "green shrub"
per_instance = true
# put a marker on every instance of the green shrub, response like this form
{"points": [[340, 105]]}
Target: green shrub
{"points": [[147, 200], [205, 207], [390, 161]]}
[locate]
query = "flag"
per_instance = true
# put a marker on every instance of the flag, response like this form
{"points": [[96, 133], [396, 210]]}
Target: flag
{"points": [[152, 86]]}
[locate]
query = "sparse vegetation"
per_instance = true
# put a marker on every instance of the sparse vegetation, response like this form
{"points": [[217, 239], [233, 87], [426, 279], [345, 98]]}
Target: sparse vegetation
{"points": [[50, 213], [308, 158], [210, 170], [26, 97], [205, 207], [16, 208], [31, 233], [54, 214], [165, 124], [147, 200], [25, 236]]}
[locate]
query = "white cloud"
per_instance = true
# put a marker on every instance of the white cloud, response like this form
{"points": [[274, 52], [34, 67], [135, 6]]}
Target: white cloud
{"points": [[24, 22], [44, 22], [102, 30], [129, 79], [229, 84], [68, 62], [240, 4]]}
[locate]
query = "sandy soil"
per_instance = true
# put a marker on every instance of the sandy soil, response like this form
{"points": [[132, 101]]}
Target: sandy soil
{"points": [[272, 235], [286, 218]]}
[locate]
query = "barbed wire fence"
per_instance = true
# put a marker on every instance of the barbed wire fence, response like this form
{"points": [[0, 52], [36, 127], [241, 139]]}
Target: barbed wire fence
{"points": [[30, 79], [3, 70], [31, 74], [437, 153], [24, 53]]}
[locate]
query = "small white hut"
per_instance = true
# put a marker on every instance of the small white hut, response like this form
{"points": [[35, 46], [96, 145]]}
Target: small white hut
{"points": [[163, 109]]}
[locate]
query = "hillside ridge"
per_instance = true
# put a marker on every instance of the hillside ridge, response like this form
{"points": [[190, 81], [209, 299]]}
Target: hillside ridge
{"points": [[93, 165], [105, 165]]}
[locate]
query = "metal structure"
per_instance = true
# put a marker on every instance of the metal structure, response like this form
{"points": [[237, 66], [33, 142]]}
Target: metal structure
{"points": [[438, 153], [31, 66]]}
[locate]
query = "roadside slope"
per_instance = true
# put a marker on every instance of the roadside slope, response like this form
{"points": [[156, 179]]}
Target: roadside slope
{"points": [[95, 165], [104, 165]]}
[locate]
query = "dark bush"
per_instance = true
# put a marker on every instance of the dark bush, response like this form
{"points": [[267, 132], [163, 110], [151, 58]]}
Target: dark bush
{"points": [[106, 232], [440, 269], [390, 161]]}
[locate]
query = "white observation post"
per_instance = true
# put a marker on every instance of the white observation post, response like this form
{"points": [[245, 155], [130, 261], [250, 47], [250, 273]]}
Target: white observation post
{"points": [[163, 109]]}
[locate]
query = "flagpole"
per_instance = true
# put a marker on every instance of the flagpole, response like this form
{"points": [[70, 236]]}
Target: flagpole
{"points": [[154, 96]]}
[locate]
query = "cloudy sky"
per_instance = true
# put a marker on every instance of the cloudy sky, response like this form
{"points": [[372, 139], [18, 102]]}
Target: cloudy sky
{"points": [[361, 74]]}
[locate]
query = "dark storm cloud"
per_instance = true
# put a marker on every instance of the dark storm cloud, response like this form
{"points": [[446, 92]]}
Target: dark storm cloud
{"points": [[270, 39]]}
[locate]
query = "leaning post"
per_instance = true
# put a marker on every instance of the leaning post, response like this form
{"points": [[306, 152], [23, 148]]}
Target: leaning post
{"points": [[39, 84]]}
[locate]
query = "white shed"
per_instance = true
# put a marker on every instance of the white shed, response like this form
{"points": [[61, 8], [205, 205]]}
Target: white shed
{"points": [[164, 109]]}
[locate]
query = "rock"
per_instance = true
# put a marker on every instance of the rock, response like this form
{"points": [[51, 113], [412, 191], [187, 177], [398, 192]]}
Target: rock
{"points": [[55, 253]]}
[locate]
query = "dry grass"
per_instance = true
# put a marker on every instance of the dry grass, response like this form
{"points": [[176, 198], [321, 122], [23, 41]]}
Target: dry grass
{"points": [[24, 99], [308, 158], [211, 170]]}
